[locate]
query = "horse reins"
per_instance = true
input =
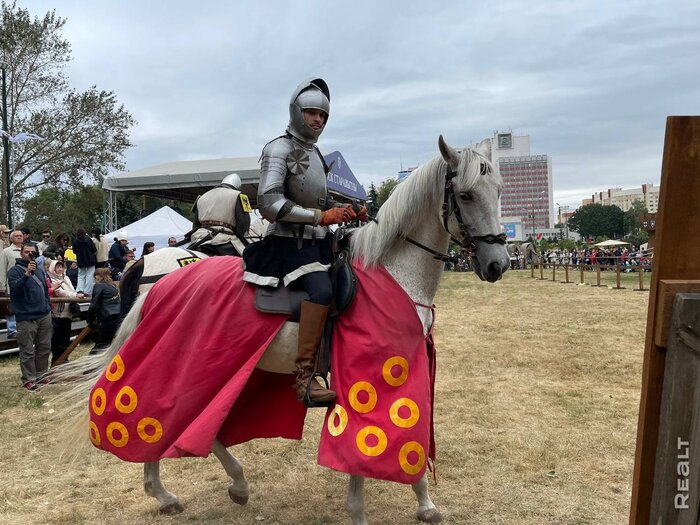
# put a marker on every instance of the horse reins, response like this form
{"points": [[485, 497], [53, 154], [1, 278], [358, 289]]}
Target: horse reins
{"points": [[449, 205]]}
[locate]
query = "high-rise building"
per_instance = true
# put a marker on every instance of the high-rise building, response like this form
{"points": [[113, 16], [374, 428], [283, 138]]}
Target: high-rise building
{"points": [[527, 181]]}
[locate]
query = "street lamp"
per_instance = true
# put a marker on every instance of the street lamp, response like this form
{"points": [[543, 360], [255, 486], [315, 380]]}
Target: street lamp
{"points": [[6, 146]]}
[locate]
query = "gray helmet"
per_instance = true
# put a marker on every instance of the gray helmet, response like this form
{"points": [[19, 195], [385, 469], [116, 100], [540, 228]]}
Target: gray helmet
{"points": [[232, 181], [313, 93]]}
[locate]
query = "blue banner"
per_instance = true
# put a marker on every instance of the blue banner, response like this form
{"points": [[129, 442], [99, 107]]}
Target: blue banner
{"points": [[341, 179], [509, 229]]}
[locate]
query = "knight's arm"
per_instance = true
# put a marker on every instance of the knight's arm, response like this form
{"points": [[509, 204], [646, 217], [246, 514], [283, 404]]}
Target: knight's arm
{"points": [[273, 205]]}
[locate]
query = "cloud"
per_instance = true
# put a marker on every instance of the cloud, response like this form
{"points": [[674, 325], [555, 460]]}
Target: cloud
{"points": [[590, 82]]}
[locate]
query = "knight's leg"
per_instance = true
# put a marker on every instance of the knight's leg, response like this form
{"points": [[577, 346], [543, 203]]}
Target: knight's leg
{"points": [[356, 500], [311, 322], [427, 512], [238, 489], [168, 502]]}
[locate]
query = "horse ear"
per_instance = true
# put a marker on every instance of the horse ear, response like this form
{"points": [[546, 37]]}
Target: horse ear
{"points": [[484, 148], [448, 153]]}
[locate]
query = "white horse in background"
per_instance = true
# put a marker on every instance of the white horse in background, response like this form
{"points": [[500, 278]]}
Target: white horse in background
{"points": [[413, 211]]}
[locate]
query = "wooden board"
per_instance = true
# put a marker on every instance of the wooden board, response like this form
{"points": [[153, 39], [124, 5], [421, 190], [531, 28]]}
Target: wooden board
{"points": [[668, 288], [676, 257], [676, 498]]}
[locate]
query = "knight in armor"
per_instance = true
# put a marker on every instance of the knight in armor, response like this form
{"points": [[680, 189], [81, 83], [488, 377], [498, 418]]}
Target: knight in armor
{"points": [[221, 219], [296, 249]]}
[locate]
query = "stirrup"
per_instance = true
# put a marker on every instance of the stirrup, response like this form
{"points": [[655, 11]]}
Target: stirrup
{"points": [[307, 398]]}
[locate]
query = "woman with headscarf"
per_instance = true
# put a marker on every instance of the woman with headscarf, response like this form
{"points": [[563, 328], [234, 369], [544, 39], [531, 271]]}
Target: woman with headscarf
{"points": [[61, 312]]}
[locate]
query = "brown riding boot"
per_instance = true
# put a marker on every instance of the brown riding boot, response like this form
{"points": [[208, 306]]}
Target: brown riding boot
{"points": [[311, 322]]}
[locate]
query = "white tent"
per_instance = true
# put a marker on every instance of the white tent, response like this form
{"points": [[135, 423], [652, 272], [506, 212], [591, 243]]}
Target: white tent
{"points": [[610, 243], [156, 227]]}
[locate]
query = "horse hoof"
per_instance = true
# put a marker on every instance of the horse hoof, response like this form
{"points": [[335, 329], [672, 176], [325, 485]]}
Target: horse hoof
{"points": [[429, 516], [238, 498], [172, 508]]}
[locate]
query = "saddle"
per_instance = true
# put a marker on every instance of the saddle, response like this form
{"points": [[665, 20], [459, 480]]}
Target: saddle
{"points": [[287, 301]]}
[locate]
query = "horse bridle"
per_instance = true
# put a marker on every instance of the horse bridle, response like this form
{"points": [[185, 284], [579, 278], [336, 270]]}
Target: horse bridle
{"points": [[449, 205]]}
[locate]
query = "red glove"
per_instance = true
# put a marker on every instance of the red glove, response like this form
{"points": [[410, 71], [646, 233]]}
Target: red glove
{"points": [[362, 214], [336, 216]]}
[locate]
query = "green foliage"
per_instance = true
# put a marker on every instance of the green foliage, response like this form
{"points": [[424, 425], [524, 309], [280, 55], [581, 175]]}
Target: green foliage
{"points": [[633, 217], [566, 244], [86, 133], [372, 198], [385, 190], [595, 220], [61, 210]]}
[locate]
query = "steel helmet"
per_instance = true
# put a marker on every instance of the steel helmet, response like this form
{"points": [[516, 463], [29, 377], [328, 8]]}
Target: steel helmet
{"points": [[313, 93], [232, 181]]}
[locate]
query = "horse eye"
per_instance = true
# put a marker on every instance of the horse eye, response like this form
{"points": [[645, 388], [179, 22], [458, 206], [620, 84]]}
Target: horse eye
{"points": [[484, 169], [466, 196]]}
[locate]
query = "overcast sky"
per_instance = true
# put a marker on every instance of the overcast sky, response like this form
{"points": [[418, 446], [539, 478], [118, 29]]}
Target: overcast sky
{"points": [[591, 82]]}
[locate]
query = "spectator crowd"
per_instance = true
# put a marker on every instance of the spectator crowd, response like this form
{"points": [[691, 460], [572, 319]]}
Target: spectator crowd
{"points": [[80, 266]]}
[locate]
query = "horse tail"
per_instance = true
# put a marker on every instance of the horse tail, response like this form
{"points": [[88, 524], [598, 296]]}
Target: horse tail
{"points": [[81, 375]]}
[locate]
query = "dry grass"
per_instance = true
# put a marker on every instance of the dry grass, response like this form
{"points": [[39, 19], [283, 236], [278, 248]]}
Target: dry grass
{"points": [[536, 410]]}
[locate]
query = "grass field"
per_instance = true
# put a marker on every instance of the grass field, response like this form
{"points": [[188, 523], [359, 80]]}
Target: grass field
{"points": [[536, 412]]}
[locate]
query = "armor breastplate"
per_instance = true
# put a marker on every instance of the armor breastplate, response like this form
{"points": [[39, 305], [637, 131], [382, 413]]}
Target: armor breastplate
{"points": [[292, 189], [306, 181]]}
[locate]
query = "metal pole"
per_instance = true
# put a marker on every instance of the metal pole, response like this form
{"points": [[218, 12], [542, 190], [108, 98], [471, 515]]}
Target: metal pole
{"points": [[6, 149]]}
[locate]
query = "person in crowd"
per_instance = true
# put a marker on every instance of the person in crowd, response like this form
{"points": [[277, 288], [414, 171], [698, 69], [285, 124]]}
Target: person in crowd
{"points": [[86, 255], [105, 308], [172, 241], [102, 247], [30, 301], [4, 236], [62, 313], [130, 257], [297, 248], [148, 247], [56, 249], [8, 258], [221, 219], [116, 253], [45, 241]]}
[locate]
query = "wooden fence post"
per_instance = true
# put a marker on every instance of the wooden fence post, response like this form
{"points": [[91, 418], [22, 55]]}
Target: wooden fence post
{"points": [[640, 270], [617, 277], [677, 226], [597, 275], [541, 265], [582, 268], [554, 271]]}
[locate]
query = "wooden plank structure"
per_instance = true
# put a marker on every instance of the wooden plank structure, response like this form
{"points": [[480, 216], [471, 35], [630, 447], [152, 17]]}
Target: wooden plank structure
{"points": [[677, 262], [676, 498]]}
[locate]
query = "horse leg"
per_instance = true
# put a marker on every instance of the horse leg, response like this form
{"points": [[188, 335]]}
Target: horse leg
{"points": [[427, 512], [356, 500], [169, 503], [238, 489]]}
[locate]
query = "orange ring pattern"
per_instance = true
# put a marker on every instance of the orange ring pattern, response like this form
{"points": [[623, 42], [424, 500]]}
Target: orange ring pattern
{"points": [[333, 429], [146, 422], [391, 363], [94, 433], [98, 395], [397, 420], [356, 404], [408, 468], [133, 400], [361, 441], [117, 374], [123, 440]]}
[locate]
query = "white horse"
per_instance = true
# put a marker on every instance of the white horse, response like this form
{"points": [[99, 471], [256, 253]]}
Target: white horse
{"points": [[413, 211]]}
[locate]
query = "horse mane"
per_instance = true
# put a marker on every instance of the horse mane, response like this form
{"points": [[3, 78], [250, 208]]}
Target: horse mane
{"points": [[422, 191]]}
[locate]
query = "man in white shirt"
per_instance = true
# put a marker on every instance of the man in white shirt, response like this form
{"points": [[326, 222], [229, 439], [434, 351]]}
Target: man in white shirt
{"points": [[8, 258]]}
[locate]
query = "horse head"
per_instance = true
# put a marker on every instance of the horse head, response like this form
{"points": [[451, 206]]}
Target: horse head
{"points": [[471, 211]]}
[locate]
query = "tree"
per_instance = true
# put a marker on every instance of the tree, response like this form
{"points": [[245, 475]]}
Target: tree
{"points": [[634, 216], [385, 190], [61, 210], [372, 198], [595, 220], [85, 134]]}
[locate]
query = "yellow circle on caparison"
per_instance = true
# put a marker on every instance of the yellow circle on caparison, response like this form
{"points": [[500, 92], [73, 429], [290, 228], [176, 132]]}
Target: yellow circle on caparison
{"points": [[361, 441], [342, 415], [356, 404], [389, 364], [98, 401], [146, 423], [115, 370], [408, 468], [123, 439], [126, 408], [399, 421]]}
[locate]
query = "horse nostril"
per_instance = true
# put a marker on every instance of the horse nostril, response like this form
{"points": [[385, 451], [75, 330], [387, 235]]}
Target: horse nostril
{"points": [[494, 269]]}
